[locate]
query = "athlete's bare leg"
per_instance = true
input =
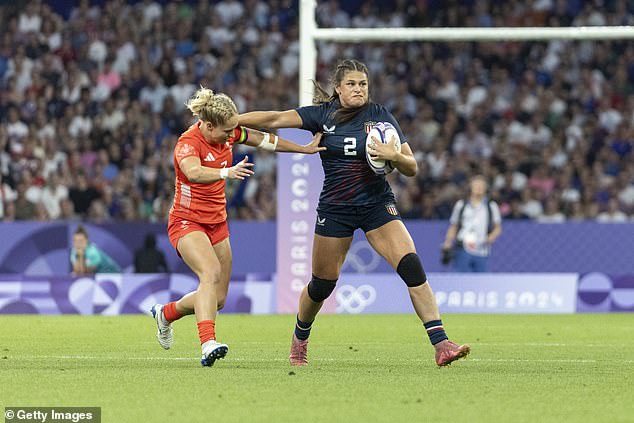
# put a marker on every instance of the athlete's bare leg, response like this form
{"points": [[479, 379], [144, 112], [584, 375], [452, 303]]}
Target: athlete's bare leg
{"points": [[328, 256], [196, 250], [392, 241], [225, 256], [185, 305]]}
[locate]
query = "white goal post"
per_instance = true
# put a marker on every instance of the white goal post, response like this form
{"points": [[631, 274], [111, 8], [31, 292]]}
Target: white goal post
{"points": [[309, 33]]}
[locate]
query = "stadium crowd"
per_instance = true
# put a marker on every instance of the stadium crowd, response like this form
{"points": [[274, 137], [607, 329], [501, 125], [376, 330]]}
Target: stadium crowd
{"points": [[91, 103]]}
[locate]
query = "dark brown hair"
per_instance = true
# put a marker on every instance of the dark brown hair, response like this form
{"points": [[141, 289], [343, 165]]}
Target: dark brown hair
{"points": [[342, 114], [81, 230]]}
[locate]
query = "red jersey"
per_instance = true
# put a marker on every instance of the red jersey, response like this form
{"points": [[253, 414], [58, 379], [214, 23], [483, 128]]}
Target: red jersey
{"points": [[202, 203]]}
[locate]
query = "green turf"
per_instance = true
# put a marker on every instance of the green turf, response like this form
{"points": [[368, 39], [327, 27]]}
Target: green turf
{"points": [[373, 368]]}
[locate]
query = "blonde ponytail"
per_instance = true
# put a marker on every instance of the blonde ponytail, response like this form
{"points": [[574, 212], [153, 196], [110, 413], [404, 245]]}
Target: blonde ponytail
{"points": [[210, 107]]}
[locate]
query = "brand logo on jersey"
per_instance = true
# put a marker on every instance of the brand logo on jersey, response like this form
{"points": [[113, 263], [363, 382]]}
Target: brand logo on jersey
{"points": [[330, 130], [184, 150], [367, 126], [321, 221], [184, 224], [209, 158], [391, 209]]}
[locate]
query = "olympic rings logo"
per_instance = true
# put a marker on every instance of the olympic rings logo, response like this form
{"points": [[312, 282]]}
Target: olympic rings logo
{"points": [[359, 263], [354, 300]]}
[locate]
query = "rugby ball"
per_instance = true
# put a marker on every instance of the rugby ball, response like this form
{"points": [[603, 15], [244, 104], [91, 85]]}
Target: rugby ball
{"points": [[383, 132]]}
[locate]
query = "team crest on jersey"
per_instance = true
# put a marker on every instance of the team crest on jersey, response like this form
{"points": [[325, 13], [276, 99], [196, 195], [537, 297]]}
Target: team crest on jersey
{"points": [[391, 209], [367, 126]]}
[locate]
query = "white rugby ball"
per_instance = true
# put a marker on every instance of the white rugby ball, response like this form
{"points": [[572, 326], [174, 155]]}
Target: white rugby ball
{"points": [[382, 131]]}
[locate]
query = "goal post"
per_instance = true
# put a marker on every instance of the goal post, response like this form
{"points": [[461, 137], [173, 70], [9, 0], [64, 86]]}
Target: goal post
{"points": [[299, 176], [309, 33]]}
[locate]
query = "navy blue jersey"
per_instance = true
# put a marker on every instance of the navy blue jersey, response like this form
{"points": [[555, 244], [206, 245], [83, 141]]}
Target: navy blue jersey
{"points": [[349, 180]]}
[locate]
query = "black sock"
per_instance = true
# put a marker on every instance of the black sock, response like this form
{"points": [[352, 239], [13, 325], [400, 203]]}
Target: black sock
{"points": [[435, 331], [302, 329]]}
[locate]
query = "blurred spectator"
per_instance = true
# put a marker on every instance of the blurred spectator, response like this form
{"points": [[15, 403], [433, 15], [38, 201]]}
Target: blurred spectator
{"points": [[97, 97], [515, 211], [551, 213], [86, 258], [7, 197], [52, 195], [612, 214], [81, 194], [24, 209], [475, 224], [30, 20], [16, 129], [472, 142], [67, 210], [154, 93], [148, 259]]}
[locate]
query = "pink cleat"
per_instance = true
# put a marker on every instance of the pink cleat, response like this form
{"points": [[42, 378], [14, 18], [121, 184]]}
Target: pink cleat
{"points": [[448, 352], [299, 352]]}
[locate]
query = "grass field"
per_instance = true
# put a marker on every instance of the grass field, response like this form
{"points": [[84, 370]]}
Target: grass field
{"points": [[372, 368]]}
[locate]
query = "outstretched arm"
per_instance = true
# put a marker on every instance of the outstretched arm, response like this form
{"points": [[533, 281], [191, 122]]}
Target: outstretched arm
{"points": [[197, 173], [272, 142], [271, 119]]}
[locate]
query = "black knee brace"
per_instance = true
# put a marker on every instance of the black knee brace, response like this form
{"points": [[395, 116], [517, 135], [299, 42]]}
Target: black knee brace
{"points": [[411, 270], [320, 289]]}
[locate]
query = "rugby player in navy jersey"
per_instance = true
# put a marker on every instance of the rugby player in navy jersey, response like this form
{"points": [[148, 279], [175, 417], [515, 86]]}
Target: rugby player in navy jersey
{"points": [[354, 197]]}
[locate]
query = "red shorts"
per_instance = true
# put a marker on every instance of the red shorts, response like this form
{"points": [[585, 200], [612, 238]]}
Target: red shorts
{"points": [[178, 228]]}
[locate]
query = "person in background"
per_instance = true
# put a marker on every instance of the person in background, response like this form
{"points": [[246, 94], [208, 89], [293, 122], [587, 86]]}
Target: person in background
{"points": [[475, 224], [149, 259], [87, 259]]}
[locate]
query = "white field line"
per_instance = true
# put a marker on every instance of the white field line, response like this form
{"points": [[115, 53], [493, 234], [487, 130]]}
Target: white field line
{"points": [[535, 344], [520, 360], [486, 344], [477, 360]]}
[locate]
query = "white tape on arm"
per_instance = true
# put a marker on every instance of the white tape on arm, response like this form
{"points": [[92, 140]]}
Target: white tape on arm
{"points": [[224, 173], [268, 143]]}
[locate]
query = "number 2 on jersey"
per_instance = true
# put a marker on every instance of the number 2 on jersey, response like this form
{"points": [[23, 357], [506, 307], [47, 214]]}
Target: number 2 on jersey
{"points": [[350, 146]]}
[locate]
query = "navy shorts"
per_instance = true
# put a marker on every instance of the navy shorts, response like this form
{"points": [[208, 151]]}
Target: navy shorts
{"points": [[342, 221]]}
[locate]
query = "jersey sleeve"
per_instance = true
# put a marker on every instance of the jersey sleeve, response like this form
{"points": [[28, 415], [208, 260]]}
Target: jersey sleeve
{"points": [[313, 117], [456, 212], [185, 148]]}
